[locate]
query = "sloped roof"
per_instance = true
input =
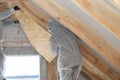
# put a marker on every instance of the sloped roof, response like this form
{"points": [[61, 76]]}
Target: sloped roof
{"points": [[95, 22]]}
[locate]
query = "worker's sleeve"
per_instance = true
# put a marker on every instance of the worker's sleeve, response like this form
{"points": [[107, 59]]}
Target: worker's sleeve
{"points": [[54, 46], [6, 14]]}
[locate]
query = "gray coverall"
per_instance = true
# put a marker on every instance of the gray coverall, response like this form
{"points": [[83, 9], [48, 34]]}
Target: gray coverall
{"points": [[64, 43], [3, 16]]}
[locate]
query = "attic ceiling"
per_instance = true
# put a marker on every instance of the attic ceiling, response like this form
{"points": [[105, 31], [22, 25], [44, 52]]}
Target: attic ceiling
{"points": [[95, 22]]}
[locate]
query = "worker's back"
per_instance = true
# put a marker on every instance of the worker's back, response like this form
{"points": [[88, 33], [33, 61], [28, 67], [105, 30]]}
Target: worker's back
{"points": [[68, 51]]}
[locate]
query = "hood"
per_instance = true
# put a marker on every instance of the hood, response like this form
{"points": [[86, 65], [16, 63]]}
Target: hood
{"points": [[54, 26]]}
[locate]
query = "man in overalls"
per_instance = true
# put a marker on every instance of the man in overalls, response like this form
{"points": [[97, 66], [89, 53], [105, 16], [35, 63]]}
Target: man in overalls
{"points": [[64, 43]]}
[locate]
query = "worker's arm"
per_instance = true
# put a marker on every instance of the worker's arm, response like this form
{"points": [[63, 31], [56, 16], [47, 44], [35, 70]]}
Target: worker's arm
{"points": [[8, 13], [54, 45]]}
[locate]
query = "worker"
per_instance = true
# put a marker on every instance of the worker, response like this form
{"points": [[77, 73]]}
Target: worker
{"points": [[64, 44], [3, 16]]}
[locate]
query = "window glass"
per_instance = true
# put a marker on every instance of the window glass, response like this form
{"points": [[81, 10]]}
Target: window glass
{"points": [[22, 68]]}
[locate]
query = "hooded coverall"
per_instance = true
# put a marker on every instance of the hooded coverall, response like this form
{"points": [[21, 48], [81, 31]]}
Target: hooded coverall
{"points": [[3, 16], [64, 43]]}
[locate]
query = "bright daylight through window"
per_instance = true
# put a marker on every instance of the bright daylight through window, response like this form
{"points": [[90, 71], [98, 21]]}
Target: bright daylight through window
{"points": [[22, 68]]}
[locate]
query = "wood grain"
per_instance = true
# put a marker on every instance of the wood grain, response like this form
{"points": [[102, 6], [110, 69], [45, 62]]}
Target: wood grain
{"points": [[103, 12], [85, 33], [38, 37]]}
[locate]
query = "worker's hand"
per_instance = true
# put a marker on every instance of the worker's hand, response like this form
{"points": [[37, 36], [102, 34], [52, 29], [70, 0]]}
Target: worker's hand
{"points": [[16, 8]]}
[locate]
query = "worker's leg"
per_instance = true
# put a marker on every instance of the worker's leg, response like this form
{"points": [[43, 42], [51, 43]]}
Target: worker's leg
{"points": [[76, 72], [66, 74]]}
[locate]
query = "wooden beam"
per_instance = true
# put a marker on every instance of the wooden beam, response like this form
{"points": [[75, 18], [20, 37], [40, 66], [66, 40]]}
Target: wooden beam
{"points": [[51, 68], [3, 6], [36, 13], [86, 34], [91, 74], [95, 71], [116, 3], [103, 12], [38, 37], [91, 23], [94, 60]]}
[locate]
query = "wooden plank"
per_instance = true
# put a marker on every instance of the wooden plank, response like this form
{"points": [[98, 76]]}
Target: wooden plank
{"points": [[116, 3], [95, 71], [36, 13], [47, 70], [37, 36], [91, 23], [103, 12], [98, 62], [3, 7], [92, 76], [51, 69], [86, 34]]}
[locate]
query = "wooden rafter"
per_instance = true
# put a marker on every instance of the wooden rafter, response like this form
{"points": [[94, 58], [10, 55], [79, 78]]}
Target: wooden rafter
{"points": [[116, 3], [100, 64], [103, 12]]}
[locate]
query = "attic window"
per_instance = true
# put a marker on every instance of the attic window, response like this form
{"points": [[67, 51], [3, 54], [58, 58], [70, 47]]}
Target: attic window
{"points": [[22, 67]]}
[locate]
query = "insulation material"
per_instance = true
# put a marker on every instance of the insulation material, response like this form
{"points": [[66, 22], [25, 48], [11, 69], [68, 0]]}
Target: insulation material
{"points": [[3, 16], [6, 14]]}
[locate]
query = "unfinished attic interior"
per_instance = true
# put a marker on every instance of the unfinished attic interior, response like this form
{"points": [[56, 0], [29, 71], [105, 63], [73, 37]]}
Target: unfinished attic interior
{"points": [[95, 25]]}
